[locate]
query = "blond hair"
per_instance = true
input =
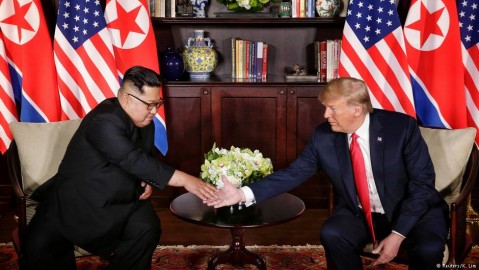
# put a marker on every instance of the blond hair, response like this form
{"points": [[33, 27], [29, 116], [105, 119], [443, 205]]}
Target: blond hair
{"points": [[355, 92]]}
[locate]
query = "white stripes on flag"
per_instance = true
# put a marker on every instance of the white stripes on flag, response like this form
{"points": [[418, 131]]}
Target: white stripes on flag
{"points": [[379, 66], [470, 58], [7, 103], [84, 76]]}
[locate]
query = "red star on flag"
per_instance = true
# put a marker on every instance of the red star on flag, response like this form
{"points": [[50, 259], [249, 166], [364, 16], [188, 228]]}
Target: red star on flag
{"points": [[126, 28], [20, 12], [427, 23]]}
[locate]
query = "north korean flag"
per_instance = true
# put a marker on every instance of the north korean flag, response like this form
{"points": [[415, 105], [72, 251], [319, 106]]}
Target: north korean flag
{"points": [[433, 47], [134, 44]]}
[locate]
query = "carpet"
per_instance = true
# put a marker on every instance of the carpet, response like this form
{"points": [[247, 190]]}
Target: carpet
{"points": [[196, 257]]}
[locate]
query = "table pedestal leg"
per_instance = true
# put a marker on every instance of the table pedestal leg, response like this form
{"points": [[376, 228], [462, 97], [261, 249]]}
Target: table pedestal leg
{"points": [[237, 254]]}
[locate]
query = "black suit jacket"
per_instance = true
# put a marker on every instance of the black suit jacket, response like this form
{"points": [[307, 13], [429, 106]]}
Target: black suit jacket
{"points": [[402, 169], [98, 182]]}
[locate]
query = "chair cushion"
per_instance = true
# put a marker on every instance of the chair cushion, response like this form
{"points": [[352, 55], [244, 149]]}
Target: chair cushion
{"points": [[41, 147], [449, 150]]}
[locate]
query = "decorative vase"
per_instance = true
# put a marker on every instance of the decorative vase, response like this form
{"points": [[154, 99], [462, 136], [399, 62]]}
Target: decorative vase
{"points": [[327, 8], [200, 57], [344, 8], [285, 10], [171, 65], [199, 8]]}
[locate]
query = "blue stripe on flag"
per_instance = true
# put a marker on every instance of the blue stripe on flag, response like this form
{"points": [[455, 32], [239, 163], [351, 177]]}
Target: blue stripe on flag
{"points": [[161, 142], [28, 113], [425, 109], [16, 81]]}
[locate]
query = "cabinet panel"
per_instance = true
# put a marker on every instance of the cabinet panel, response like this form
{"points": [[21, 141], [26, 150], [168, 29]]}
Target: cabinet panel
{"points": [[187, 111], [251, 117], [305, 112]]}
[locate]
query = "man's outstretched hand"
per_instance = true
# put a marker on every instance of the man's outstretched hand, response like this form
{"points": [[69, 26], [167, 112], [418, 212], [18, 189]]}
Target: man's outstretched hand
{"points": [[228, 195]]}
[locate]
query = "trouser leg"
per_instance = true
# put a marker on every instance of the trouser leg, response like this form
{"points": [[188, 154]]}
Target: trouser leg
{"points": [[45, 248], [139, 239], [342, 236]]}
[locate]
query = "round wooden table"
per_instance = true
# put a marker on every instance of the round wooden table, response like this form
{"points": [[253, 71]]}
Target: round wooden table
{"points": [[279, 209]]}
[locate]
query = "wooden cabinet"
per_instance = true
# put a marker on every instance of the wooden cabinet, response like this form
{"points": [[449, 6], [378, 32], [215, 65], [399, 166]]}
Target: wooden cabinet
{"points": [[275, 116], [277, 119], [253, 117]]}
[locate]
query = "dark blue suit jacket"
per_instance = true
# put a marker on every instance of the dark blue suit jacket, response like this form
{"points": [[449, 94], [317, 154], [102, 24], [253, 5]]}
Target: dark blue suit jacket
{"points": [[402, 168]]}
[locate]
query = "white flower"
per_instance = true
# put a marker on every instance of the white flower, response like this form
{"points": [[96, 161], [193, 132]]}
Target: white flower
{"points": [[240, 166], [244, 3]]}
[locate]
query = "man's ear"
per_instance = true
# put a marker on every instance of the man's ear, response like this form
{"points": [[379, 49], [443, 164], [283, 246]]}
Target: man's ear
{"points": [[358, 111], [122, 98]]}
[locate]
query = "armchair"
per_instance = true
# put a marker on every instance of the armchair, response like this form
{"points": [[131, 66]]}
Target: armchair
{"points": [[456, 160], [34, 157]]}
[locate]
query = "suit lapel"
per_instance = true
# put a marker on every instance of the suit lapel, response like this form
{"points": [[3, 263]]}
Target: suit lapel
{"points": [[376, 148], [344, 161]]}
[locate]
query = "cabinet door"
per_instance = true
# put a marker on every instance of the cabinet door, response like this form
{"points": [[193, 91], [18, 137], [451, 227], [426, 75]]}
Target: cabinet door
{"points": [[253, 117], [188, 125], [305, 112]]}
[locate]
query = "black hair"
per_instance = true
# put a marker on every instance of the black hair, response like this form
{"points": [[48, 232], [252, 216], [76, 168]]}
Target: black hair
{"points": [[140, 76]]}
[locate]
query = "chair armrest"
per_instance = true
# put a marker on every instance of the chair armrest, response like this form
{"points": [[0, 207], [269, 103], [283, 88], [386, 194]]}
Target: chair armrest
{"points": [[459, 244], [14, 172]]}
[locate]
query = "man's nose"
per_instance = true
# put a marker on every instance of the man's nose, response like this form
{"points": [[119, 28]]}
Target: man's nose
{"points": [[327, 113]]}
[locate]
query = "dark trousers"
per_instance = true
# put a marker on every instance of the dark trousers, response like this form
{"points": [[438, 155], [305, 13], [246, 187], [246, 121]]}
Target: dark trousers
{"points": [[344, 235], [47, 249]]}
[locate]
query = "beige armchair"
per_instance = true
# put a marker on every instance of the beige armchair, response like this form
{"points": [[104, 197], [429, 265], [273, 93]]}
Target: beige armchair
{"points": [[34, 157], [456, 160]]}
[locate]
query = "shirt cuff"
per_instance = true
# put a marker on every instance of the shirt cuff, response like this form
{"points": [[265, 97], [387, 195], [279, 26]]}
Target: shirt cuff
{"points": [[249, 196], [399, 234]]}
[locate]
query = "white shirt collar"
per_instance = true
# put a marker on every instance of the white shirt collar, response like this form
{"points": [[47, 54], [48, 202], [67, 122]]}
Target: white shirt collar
{"points": [[363, 130]]}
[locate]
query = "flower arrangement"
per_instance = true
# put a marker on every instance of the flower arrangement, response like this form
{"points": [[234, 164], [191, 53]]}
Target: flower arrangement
{"points": [[244, 5], [240, 165]]}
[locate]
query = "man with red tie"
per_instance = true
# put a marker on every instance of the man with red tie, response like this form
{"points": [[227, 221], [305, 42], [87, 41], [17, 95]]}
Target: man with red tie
{"points": [[383, 179]]}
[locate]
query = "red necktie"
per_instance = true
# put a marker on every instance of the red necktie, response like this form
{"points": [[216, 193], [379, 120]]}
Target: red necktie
{"points": [[361, 181]]}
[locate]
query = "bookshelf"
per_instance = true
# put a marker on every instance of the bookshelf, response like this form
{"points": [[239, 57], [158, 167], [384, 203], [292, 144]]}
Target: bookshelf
{"points": [[291, 40], [276, 116]]}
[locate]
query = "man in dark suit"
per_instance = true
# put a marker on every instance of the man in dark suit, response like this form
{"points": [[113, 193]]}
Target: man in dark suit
{"points": [[407, 209], [98, 200]]}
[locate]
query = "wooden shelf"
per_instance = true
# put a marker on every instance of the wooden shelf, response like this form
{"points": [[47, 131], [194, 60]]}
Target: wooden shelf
{"points": [[259, 22], [272, 80]]}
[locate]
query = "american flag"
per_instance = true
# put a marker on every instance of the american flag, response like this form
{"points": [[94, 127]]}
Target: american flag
{"points": [[134, 44], [8, 111], [84, 57], [433, 49], [469, 26], [373, 50]]}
